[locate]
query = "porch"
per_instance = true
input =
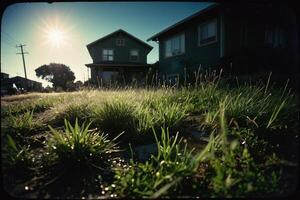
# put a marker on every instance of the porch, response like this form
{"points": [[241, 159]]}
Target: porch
{"points": [[107, 73]]}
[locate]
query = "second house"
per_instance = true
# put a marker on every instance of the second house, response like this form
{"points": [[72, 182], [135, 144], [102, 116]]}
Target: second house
{"points": [[118, 56]]}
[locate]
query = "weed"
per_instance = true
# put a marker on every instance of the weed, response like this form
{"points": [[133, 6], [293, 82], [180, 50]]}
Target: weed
{"points": [[160, 112], [79, 145], [161, 173], [81, 111], [235, 171], [115, 117], [22, 126], [16, 156]]}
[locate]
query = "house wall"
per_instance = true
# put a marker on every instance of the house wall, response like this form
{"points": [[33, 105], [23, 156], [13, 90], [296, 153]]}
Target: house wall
{"points": [[20, 82], [245, 39], [121, 53], [194, 55]]}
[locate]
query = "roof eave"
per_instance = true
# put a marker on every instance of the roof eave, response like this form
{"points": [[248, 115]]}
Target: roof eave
{"points": [[144, 43]]}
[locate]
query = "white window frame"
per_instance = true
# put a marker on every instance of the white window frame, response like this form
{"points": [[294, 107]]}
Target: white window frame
{"points": [[182, 47], [138, 55], [199, 32], [105, 57], [120, 42]]}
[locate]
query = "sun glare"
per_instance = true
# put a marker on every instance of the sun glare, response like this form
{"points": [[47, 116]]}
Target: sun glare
{"points": [[56, 37], [55, 33]]}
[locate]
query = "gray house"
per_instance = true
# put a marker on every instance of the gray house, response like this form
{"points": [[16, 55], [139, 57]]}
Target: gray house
{"points": [[7, 84], [246, 38], [118, 56], [31, 85]]}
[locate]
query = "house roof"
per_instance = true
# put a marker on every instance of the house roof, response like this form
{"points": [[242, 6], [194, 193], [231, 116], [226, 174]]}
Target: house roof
{"points": [[22, 78], [176, 25], [122, 31]]}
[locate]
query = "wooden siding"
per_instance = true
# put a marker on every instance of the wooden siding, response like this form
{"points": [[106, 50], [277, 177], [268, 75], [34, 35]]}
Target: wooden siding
{"points": [[243, 41], [194, 55]]}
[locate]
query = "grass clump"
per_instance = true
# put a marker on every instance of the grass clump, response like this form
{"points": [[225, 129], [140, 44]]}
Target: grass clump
{"points": [[156, 176], [80, 111], [115, 117], [16, 156], [159, 112], [39, 105], [77, 150], [79, 145], [21, 127], [18, 164], [234, 171], [22, 123]]}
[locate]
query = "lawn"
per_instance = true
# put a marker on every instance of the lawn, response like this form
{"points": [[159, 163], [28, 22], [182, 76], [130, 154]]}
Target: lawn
{"points": [[210, 140]]}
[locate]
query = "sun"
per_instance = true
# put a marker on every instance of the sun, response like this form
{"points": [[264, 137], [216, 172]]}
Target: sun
{"points": [[56, 37], [56, 33]]}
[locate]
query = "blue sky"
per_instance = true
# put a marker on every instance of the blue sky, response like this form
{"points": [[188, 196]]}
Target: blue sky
{"points": [[79, 24]]}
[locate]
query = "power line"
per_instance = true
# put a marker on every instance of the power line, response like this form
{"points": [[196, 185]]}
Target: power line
{"points": [[21, 46]]}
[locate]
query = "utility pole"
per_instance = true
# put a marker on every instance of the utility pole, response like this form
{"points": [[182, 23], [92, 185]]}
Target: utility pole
{"points": [[21, 46]]}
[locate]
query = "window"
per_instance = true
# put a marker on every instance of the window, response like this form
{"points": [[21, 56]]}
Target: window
{"points": [[275, 37], [120, 42], [108, 76], [207, 32], [107, 55], [175, 46], [134, 55]]}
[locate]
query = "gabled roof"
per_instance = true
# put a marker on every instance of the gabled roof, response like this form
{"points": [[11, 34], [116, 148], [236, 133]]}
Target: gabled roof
{"points": [[121, 31], [22, 78], [154, 37]]}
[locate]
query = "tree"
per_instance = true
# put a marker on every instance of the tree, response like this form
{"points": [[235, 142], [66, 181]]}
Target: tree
{"points": [[58, 74], [78, 84]]}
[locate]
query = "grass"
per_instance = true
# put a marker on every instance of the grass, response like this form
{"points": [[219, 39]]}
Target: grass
{"points": [[78, 144], [76, 150], [251, 152], [17, 164], [115, 117], [16, 156], [235, 173], [232, 171], [21, 127], [159, 112], [39, 105], [155, 177]]}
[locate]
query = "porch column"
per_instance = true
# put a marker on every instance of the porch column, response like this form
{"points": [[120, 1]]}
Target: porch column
{"points": [[99, 76]]}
